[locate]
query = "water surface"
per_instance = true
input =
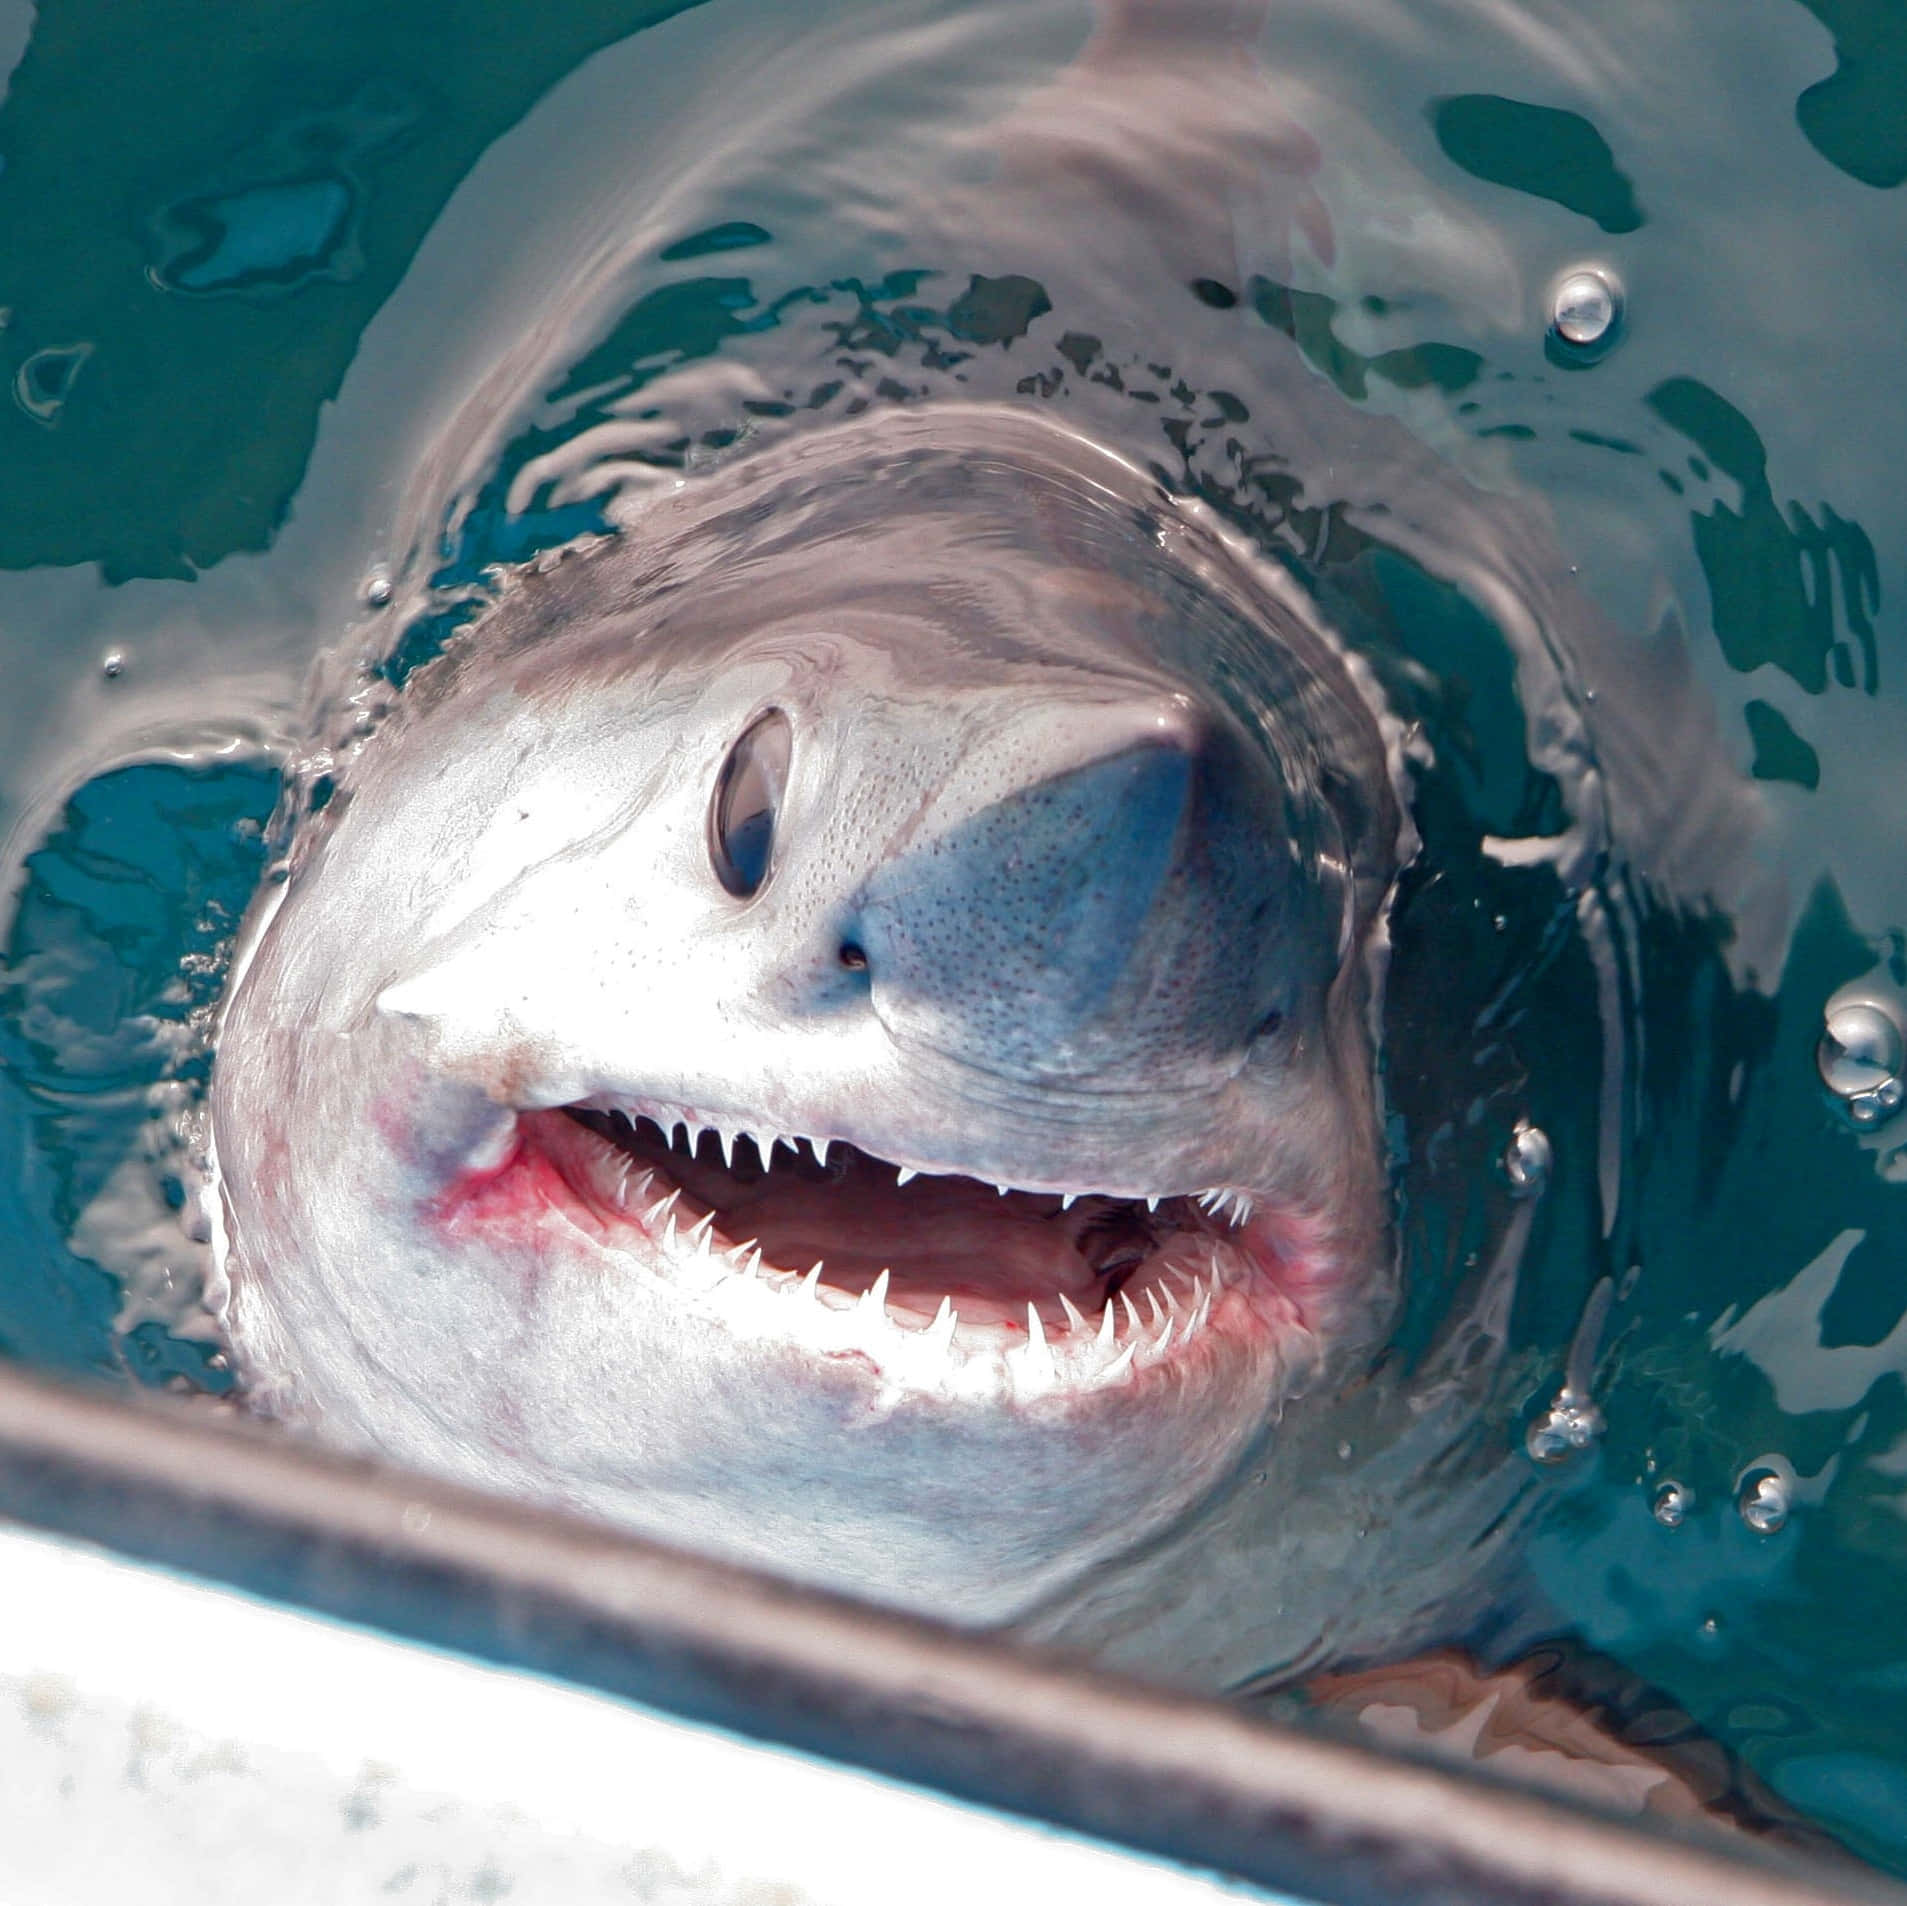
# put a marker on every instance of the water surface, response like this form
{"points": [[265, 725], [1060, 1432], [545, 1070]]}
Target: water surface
{"points": [[357, 304]]}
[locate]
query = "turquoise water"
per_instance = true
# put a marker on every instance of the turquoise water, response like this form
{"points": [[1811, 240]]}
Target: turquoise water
{"points": [[379, 293]]}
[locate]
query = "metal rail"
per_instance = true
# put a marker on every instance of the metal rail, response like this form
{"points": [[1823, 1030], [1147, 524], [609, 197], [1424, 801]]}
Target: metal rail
{"points": [[1187, 1778]]}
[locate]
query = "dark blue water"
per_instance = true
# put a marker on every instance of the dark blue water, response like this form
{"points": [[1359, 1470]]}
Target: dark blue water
{"points": [[357, 303]]}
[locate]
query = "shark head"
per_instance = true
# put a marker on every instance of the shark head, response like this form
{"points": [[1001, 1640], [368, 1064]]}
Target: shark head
{"points": [[835, 1027]]}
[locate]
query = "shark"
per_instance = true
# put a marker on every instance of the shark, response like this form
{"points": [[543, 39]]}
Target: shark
{"points": [[844, 1020]]}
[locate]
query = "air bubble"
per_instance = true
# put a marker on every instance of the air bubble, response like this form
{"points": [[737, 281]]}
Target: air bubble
{"points": [[1527, 1159], [378, 588], [45, 381], [1763, 1501], [1571, 1424], [112, 664], [1861, 1056], [1672, 1503], [1584, 307]]}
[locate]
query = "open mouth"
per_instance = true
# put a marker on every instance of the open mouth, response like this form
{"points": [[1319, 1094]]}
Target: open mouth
{"points": [[942, 1282]]}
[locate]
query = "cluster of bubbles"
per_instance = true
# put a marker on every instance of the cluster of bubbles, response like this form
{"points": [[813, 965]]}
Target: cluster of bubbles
{"points": [[1570, 1424], [1763, 1499], [1861, 1057]]}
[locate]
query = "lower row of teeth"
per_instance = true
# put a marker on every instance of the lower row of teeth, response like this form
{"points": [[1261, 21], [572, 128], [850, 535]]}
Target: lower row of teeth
{"points": [[1128, 1336]]}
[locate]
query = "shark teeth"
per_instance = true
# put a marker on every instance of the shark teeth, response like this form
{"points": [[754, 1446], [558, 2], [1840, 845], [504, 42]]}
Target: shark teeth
{"points": [[940, 1333], [1060, 1350], [1234, 1206], [631, 1191], [685, 1129], [1064, 1344], [1034, 1369]]}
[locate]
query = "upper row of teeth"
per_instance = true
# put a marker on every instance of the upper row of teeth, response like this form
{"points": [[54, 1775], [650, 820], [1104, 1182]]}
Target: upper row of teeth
{"points": [[687, 1135]]}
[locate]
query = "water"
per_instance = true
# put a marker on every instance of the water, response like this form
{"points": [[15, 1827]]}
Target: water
{"points": [[304, 330]]}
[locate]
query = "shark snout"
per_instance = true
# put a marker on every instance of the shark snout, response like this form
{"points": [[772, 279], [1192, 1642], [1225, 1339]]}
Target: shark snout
{"points": [[1117, 922]]}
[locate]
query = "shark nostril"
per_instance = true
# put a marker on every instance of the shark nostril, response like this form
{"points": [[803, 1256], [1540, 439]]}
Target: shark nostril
{"points": [[853, 956]]}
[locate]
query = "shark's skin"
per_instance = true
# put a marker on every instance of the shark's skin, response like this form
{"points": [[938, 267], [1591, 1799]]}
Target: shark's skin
{"points": [[1094, 791], [1078, 886]]}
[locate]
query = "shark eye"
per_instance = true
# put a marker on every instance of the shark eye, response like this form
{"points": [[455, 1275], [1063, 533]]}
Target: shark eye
{"points": [[747, 797]]}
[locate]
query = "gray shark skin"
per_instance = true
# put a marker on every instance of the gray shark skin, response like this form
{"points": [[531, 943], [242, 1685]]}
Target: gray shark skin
{"points": [[1076, 889], [915, 804]]}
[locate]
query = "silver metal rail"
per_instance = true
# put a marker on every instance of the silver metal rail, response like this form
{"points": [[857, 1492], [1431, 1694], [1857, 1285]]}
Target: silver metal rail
{"points": [[1185, 1779]]}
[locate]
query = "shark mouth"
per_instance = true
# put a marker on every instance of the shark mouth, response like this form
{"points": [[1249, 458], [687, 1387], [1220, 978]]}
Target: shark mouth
{"points": [[941, 1283]]}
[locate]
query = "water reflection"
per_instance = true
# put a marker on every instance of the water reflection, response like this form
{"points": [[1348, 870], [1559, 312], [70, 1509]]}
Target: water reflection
{"points": [[247, 159], [1542, 150], [287, 211], [1775, 578], [1852, 118], [112, 964]]}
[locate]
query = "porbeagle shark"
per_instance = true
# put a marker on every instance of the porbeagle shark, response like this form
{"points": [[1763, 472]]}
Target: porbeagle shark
{"points": [[838, 1028], [840, 1024]]}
